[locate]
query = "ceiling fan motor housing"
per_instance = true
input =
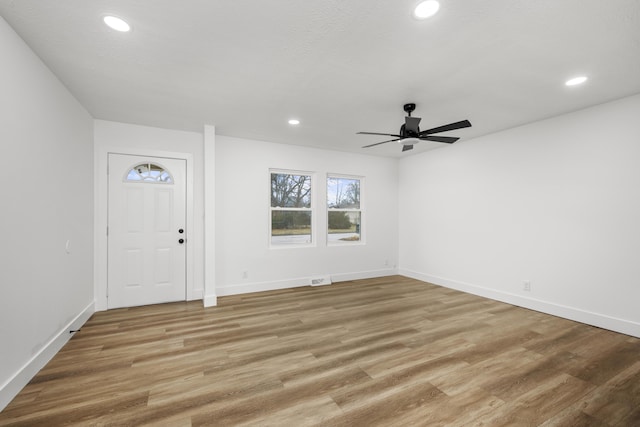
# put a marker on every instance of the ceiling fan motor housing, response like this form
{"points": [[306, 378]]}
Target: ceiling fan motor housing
{"points": [[409, 133]]}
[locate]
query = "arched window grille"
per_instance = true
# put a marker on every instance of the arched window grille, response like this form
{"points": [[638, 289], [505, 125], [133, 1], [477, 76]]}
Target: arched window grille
{"points": [[149, 172]]}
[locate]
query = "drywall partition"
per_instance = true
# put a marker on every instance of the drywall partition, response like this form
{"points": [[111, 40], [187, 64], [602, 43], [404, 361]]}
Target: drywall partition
{"points": [[114, 137], [244, 260], [210, 298], [552, 206], [46, 170]]}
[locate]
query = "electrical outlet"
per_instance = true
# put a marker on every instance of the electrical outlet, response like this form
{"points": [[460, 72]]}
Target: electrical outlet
{"points": [[526, 286]]}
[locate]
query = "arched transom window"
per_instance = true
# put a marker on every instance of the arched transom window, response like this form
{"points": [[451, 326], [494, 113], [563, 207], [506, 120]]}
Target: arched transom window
{"points": [[149, 172]]}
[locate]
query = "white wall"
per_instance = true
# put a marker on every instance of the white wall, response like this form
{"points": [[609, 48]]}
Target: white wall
{"points": [[46, 170], [144, 140], [242, 217], [556, 203]]}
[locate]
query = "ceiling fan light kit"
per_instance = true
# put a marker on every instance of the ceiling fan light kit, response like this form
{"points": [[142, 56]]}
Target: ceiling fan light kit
{"points": [[409, 141], [411, 134]]}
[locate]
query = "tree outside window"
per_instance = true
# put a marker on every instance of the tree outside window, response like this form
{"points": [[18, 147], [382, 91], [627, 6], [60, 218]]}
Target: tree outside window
{"points": [[291, 212], [344, 214]]}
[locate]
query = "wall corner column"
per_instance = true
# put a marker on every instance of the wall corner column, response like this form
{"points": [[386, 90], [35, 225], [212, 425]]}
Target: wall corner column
{"points": [[210, 298]]}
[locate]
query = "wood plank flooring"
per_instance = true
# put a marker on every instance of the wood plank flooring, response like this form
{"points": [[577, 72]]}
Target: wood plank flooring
{"points": [[391, 351]]}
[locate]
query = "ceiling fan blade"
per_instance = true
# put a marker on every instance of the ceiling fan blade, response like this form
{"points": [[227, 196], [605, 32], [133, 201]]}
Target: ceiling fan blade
{"points": [[450, 126], [445, 139], [407, 148], [376, 133], [383, 142], [411, 124]]}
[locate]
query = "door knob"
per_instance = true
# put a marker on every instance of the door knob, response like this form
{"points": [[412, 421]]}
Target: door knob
{"points": [[180, 230], [181, 241]]}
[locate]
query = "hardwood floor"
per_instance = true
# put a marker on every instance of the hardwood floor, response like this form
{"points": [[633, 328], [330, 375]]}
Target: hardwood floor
{"points": [[391, 351]]}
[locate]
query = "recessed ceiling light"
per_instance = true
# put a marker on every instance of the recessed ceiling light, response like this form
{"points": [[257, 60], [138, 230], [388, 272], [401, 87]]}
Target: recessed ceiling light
{"points": [[294, 122], [426, 9], [576, 81], [116, 23]]}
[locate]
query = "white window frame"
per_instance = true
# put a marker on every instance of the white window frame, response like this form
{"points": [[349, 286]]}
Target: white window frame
{"points": [[311, 210], [360, 210]]}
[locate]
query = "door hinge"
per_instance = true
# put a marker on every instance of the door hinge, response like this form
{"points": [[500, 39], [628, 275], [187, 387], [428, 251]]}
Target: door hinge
{"points": [[107, 230]]}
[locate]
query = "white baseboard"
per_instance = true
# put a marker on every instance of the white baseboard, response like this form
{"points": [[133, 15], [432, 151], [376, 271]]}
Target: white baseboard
{"points": [[246, 288], [12, 387], [210, 300], [572, 313], [371, 274]]}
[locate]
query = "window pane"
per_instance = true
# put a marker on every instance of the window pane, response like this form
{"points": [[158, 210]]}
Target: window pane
{"points": [[149, 172], [290, 191], [343, 193], [344, 226], [290, 227]]}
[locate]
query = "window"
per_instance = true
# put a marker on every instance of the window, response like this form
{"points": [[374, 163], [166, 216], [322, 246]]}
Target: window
{"points": [[149, 172], [344, 211], [291, 212]]}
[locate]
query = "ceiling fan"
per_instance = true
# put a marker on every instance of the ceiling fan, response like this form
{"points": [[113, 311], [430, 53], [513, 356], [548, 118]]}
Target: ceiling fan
{"points": [[410, 133]]}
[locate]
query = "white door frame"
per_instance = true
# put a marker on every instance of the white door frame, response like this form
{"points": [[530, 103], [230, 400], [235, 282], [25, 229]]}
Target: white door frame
{"points": [[100, 219]]}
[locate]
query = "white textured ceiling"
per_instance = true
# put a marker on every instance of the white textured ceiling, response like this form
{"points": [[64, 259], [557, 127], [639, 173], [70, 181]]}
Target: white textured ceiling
{"points": [[340, 66]]}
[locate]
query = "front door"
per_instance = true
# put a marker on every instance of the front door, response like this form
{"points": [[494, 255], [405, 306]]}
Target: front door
{"points": [[146, 230]]}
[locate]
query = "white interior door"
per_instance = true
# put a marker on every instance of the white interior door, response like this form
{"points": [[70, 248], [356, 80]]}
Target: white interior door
{"points": [[146, 230]]}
